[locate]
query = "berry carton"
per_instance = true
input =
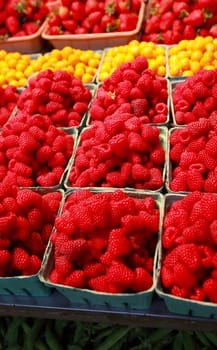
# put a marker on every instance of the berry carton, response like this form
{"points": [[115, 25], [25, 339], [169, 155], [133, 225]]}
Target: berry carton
{"points": [[20, 280], [98, 290], [25, 44], [105, 172], [96, 41], [194, 291]]}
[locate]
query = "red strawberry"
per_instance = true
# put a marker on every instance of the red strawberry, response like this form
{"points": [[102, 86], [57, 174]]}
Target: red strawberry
{"points": [[12, 25]]}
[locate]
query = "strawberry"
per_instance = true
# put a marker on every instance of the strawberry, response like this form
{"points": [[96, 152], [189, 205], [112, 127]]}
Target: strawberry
{"points": [[12, 25], [196, 18]]}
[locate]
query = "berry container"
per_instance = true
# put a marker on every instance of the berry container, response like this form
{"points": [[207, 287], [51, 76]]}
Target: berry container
{"points": [[96, 41], [90, 298], [178, 305], [164, 142], [26, 285], [25, 44], [88, 119]]}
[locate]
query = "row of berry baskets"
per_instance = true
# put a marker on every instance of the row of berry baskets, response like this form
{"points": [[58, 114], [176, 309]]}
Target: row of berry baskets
{"points": [[113, 249]]}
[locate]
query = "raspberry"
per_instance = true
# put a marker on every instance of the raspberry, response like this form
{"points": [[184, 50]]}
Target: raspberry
{"points": [[55, 97], [183, 277], [94, 269], [123, 89], [210, 103], [136, 142], [211, 182], [210, 289], [5, 258], [34, 244], [118, 273], [140, 173], [100, 284], [139, 64], [187, 254], [27, 143], [200, 90], [34, 266], [118, 243], [20, 259], [209, 162], [35, 219], [199, 128], [114, 179], [63, 265], [195, 180], [76, 279], [139, 106], [131, 75], [73, 249], [143, 280], [210, 146], [208, 77], [27, 198], [56, 277]]}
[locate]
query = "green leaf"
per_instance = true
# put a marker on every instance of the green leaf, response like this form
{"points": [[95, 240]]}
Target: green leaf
{"points": [[113, 338], [177, 342], [51, 338], [158, 334], [202, 338], [212, 337], [13, 333], [188, 341]]}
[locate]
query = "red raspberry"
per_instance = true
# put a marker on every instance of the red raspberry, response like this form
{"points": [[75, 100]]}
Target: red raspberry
{"points": [[120, 274], [211, 182], [119, 145], [118, 243], [143, 280], [76, 279], [27, 198], [140, 64], [139, 106], [210, 289], [34, 266], [20, 260], [94, 269], [100, 284], [195, 180], [124, 88], [63, 265]]}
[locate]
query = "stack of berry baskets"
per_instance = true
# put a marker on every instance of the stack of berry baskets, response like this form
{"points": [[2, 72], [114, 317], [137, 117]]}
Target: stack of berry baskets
{"points": [[95, 41], [108, 160], [186, 267], [29, 225], [107, 256]]}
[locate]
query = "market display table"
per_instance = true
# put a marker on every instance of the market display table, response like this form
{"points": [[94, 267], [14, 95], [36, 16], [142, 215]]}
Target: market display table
{"points": [[57, 306]]}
